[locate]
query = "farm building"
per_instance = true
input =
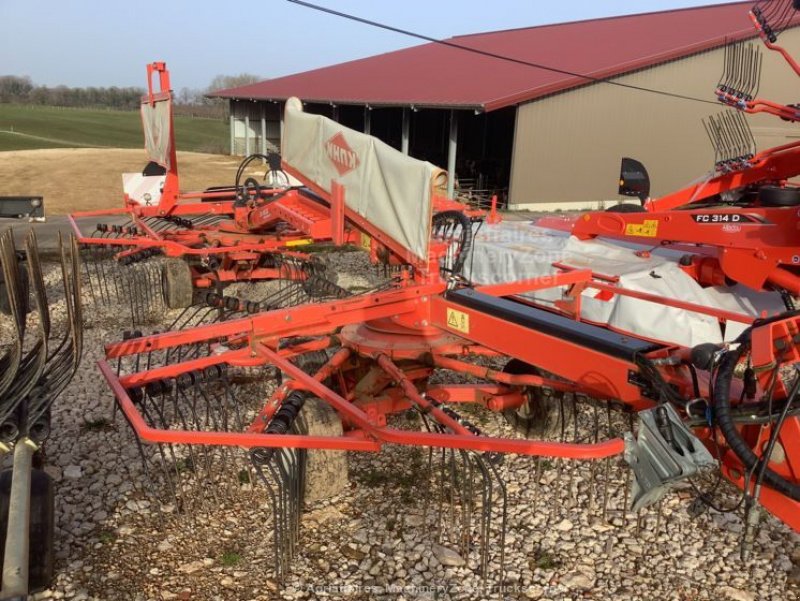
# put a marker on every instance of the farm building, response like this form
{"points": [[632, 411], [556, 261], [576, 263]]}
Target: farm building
{"points": [[543, 139]]}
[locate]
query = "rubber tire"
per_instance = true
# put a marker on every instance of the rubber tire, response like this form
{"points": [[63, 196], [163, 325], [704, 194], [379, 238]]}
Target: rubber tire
{"points": [[326, 471], [775, 196], [625, 207], [24, 282], [42, 527], [177, 284], [541, 416]]}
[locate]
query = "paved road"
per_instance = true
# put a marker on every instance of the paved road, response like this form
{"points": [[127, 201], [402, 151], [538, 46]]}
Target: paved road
{"points": [[47, 232]]}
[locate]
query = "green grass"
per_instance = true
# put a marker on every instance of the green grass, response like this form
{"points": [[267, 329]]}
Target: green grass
{"points": [[230, 558], [53, 127]]}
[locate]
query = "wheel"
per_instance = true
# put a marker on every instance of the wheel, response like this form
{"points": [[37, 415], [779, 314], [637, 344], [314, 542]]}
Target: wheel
{"points": [[775, 196], [625, 207], [41, 555], [24, 285], [544, 414], [176, 280], [326, 471]]}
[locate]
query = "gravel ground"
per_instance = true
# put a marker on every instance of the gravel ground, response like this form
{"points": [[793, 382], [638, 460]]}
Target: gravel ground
{"points": [[385, 537]]}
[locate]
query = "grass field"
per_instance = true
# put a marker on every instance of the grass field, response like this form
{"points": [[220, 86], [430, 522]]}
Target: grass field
{"points": [[32, 127]]}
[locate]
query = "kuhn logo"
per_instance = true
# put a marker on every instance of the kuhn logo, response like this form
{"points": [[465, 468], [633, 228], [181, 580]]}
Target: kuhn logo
{"points": [[341, 155]]}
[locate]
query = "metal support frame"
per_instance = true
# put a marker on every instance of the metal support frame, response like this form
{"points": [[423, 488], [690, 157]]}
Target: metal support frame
{"points": [[452, 148], [247, 132], [406, 132], [232, 121], [367, 120], [263, 128], [15, 559]]}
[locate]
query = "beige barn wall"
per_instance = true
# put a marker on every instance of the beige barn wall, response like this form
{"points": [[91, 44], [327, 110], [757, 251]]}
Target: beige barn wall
{"points": [[567, 147]]}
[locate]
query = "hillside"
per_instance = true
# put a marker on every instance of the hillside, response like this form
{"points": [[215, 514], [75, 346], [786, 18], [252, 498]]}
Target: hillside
{"points": [[31, 127]]}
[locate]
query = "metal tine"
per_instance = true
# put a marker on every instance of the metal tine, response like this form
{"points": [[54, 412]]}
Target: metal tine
{"points": [[207, 455], [593, 464], [712, 138], [729, 136], [486, 514], [733, 84], [33, 361], [722, 84], [607, 466], [776, 14], [277, 523], [11, 360], [562, 438], [493, 460], [168, 463], [745, 136], [734, 134]]}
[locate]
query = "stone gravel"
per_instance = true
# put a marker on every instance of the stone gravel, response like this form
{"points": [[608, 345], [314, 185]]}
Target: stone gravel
{"points": [[386, 537]]}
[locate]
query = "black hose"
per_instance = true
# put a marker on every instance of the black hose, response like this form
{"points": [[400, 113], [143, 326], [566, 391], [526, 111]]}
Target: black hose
{"points": [[443, 220], [725, 421]]}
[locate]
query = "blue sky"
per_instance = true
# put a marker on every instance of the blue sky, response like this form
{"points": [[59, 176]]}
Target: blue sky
{"points": [[108, 42]]}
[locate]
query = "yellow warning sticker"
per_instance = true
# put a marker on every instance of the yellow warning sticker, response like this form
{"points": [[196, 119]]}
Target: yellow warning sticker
{"points": [[458, 320], [365, 241], [648, 229], [301, 242]]}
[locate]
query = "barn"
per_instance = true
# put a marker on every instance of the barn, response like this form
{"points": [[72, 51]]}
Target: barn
{"points": [[540, 138]]}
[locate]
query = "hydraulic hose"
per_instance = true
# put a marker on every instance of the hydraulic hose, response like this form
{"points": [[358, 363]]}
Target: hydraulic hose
{"points": [[726, 424]]}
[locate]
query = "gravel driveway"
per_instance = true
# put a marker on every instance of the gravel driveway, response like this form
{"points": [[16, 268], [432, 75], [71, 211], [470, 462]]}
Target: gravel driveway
{"points": [[379, 540]]}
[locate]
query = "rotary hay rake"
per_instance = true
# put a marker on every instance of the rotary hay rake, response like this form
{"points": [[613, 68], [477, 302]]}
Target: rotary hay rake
{"points": [[163, 245], [39, 355], [588, 390]]}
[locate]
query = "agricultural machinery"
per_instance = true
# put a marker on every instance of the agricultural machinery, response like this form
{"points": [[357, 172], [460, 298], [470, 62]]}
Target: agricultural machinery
{"points": [[40, 348], [676, 315]]}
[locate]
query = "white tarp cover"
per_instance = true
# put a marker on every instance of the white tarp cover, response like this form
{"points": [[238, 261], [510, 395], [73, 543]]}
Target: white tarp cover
{"points": [[156, 122], [514, 251], [389, 189]]}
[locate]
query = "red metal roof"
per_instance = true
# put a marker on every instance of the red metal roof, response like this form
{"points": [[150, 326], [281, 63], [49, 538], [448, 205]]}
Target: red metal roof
{"points": [[433, 75]]}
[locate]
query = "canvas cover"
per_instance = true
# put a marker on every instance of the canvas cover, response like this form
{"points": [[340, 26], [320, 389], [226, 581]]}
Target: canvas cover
{"points": [[514, 251], [389, 189], [156, 123]]}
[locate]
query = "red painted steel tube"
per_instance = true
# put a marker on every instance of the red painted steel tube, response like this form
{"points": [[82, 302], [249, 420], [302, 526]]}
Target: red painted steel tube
{"points": [[784, 279], [171, 371], [470, 442], [720, 314], [411, 392], [537, 283], [275, 323], [232, 439], [499, 376], [265, 415]]}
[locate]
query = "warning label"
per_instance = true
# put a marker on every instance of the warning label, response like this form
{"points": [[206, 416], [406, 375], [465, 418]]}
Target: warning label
{"points": [[648, 229], [458, 320]]}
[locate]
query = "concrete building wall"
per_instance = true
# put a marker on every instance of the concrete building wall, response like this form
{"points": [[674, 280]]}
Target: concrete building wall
{"points": [[568, 146]]}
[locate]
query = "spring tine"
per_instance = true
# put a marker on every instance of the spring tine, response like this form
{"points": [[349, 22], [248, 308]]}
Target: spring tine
{"points": [[607, 467], [486, 514], [711, 138], [562, 438], [722, 84], [503, 514]]}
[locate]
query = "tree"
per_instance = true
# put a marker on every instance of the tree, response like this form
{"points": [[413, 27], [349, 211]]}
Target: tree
{"points": [[222, 82], [14, 88]]}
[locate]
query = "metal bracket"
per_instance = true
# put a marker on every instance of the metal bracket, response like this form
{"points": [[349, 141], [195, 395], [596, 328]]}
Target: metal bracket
{"points": [[664, 453]]}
